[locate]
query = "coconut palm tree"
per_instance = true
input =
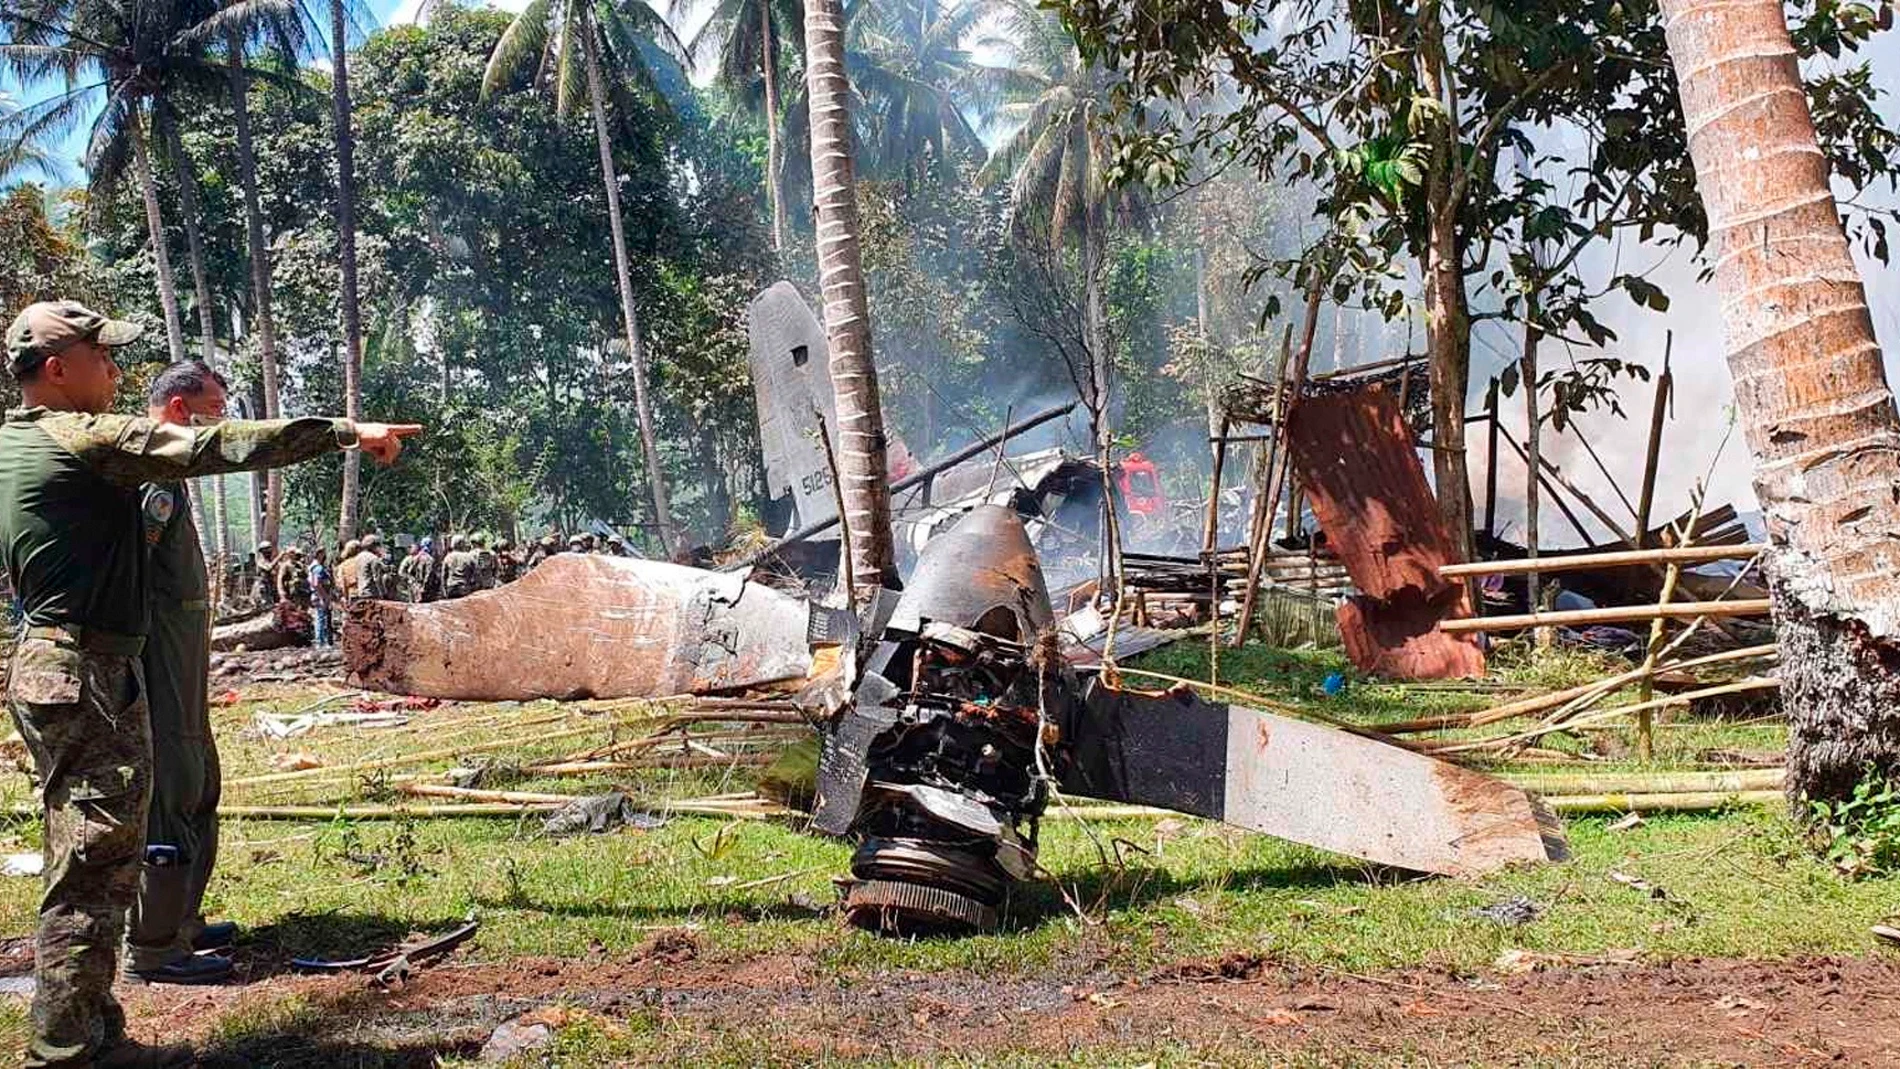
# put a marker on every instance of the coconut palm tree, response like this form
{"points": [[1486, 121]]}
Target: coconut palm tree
{"points": [[751, 41], [1810, 389], [1055, 163], [862, 471], [909, 66], [23, 158], [576, 45], [115, 63]]}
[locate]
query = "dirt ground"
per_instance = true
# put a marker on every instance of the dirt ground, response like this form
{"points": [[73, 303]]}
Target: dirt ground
{"points": [[1835, 1011]]}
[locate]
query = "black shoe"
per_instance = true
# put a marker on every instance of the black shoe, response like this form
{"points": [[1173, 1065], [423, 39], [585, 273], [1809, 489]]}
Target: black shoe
{"points": [[192, 970], [140, 1056], [216, 936]]}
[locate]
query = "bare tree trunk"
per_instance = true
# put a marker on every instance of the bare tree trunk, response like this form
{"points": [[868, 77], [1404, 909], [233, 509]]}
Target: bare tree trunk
{"points": [[1447, 313], [260, 278], [155, 225], [866, 491], [188, 212], [1534, 449], [1813, 399], [346, 257], [774, 165], [623, 279]]}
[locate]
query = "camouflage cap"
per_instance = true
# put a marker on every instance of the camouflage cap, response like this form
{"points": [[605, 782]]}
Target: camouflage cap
{"points": [[48, 328]]}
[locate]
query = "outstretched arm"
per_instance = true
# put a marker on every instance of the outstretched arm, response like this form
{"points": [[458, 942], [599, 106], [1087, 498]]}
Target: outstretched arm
{"points": [[133, 449]]}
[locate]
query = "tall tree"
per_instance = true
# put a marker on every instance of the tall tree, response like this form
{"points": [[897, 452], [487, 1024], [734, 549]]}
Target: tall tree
{"points": [[910, 68], [340, 25], [1413, 103], [1813, 398], [862, 471], [1056, 163], [576, 42], [750, 39]]}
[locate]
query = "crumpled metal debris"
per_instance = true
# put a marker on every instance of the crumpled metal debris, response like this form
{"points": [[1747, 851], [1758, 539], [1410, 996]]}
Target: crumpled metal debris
{"points": [[600, 813], [1511, 913]]}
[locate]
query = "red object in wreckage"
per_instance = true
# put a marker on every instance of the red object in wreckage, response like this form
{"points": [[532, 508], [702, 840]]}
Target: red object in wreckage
{"points": [[1140, 483]]}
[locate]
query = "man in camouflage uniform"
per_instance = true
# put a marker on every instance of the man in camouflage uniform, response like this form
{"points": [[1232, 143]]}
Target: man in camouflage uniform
{"points": [[487, 568], [417, 572], [293, 578], [461, 570], [374, 577], [507, 562], [265, 561], [348, 562], [71, 540]]}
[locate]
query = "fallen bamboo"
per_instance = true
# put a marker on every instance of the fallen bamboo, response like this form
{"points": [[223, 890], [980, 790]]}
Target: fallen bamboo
{"points": [[1742, 686], [1683, 802], [582, 768], [328, 771], [1762, 779], [1538, 703], [1616, 558], [1686, 610]]}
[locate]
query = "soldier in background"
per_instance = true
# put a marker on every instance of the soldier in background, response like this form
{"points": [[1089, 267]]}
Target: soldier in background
{"points": [[374, 577], [293, 582], [73, 541], [265, 561], [487, 568], [507, 562], [549, 545], [617, 546], [417, 573], [461, 574], [349, 561], [323, 599]]}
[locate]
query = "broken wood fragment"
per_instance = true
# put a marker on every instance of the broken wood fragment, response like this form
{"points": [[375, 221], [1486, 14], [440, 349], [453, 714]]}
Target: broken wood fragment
{"points": [[1584, 561]]}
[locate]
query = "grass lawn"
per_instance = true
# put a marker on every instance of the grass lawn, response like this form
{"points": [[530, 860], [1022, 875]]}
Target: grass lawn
{"points": [[1736, 884]]}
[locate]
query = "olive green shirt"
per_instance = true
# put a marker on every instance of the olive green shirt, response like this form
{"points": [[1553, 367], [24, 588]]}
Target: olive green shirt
{"points": [[72, 535]]}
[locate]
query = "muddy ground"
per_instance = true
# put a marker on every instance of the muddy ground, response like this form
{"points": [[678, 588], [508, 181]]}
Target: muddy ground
{"points": [[689, 1006]]}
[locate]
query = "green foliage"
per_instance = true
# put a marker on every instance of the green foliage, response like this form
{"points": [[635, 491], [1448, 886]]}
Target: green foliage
{"points": [[1861, 834]]}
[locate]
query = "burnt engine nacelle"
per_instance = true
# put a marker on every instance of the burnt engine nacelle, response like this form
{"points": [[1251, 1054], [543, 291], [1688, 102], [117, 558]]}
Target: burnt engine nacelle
{"points": [[942, 766]]}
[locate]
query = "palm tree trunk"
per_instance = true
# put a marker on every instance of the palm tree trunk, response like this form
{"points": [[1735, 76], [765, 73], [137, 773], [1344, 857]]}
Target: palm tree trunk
{"points": [[189, 214], [155, 225], [623, 279], [346, 257], [774, 188], [261, 316], [1813, 400], [862, 470]]}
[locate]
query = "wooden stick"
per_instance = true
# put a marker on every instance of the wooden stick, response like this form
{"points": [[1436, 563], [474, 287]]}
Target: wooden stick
{"points": [[1583, 561], [1752, 683], [1674, 802], [582, 768], [1665, 384], [491, 746], [1210, 532], [1540, 702], [1686, 610]]}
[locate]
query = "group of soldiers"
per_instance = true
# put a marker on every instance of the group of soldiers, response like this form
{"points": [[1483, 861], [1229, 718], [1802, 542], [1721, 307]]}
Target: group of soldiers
{"points": [[108, 680], [363, 569]]}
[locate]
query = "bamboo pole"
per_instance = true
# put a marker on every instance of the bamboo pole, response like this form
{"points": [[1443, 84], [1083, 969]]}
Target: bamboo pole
{"points": [[1538, 703], [1210, 531], [329, 771], [1585, 561], [1742, 686], [1761, 779], [1575, 804], [1685, 610], [1665, 385]]}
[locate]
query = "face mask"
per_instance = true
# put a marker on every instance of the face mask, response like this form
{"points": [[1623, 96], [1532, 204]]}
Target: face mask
{"points": [[205, 421]]}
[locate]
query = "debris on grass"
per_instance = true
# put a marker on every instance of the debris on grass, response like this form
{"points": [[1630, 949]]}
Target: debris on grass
{"points": [[601, 813], [1510, 913]]}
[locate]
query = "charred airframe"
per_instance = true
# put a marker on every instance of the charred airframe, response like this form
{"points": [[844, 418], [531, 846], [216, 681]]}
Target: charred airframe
{"points": [[949, 716]]}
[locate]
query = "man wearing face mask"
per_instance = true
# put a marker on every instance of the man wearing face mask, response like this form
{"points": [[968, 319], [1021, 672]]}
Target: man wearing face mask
{"points": [[73, 541]]}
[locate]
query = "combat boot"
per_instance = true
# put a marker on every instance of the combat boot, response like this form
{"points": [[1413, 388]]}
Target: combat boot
{"points": [[215, 936], [191, 969]]}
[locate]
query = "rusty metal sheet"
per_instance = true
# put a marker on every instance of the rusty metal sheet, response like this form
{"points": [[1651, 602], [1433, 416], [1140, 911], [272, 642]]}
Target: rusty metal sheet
{"points": [[583, 626], [1305, 782], [1359, 465]]}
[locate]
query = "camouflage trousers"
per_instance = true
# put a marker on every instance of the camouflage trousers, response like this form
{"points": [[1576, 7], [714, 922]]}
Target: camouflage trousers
{"points": [[84, 719]]}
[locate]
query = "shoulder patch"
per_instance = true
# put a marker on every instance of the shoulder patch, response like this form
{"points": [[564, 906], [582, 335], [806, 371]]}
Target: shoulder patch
{"points": [[161, 504]]}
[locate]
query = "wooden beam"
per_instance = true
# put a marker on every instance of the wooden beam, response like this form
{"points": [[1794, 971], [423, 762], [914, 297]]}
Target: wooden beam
{"points": [[1616, 558], [1616, 614]]}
